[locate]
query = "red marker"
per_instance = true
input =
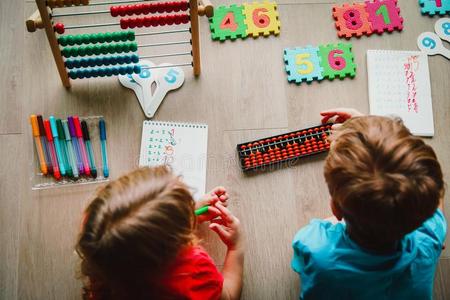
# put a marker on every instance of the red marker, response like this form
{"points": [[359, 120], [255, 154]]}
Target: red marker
{"points": [[51, 147], [79, 134]]}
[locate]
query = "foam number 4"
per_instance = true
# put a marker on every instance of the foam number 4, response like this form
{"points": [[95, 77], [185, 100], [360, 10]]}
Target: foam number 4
{"points": [[170, 78], [261, 19], [302, 64], [228, 23], [384, 15], [351, 20], [337, 61], [129, 82], [442, 29], [431, 44]]}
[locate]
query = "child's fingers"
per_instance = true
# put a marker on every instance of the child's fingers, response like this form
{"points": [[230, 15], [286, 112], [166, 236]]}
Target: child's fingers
{"points": [[218, 221], [226, 214], [213, 211], [220, 230], [218, 190]]}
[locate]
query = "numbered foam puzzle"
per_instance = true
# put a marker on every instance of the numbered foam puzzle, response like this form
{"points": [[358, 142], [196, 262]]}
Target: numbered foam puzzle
{"points": [[365, 18], [249, 19], [316, 63], [433, 7]]}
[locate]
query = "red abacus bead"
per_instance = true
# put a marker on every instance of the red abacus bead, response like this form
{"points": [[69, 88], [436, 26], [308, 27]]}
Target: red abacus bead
{"points": [[170, 20], [162, 7], [59, 28], [148, 21], [138, 9], [132, 22], [114, 10], [162, 21], [123, 23], [129, 10], [140, 22], [243, 147]]}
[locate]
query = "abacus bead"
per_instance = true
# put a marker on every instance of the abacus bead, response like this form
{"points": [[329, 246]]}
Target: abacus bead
{"points": [[69, 64], [74, 51], [85, 2], [78, 39], [59, 28], [108, 37], [95, 72], [118, 59], [90, 50], [129, 69], [133, 47], [154, 21], [132, 22], [102, 72], [114, 10], [96, 50], [124, 23], [81, 74], [126, 59], [125, 47], [137, 69], [108, 72], [62, 41], [138, 9], [73, 74], [134, 58], [169, 20], [148, 21], [122, 70], [116, 36], [100, 61]]}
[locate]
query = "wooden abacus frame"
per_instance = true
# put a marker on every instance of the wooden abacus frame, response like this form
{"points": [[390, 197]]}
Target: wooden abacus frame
{"points": [[41, 19]]}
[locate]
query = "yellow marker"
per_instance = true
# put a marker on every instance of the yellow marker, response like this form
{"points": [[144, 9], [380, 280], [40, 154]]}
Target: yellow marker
{"points": [[37, 142]]}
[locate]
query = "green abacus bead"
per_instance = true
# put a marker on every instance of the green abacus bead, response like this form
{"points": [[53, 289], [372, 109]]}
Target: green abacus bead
{"points": [[125, 47], [62, 41], [82, 51], [133, 47], [78, 40], [85, 38], [108, 37], [89, 50], [96, 50], [74, 51], [108, 49], [70, 40], [130, 35], [118, 36]]}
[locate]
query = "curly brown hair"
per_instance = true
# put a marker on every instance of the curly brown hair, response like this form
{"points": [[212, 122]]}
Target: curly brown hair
{"points": [[383, 180], [132, 229]]}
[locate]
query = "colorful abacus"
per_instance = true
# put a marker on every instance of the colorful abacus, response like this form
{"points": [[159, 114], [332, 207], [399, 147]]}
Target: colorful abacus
{"points": [[283, 148], [101, 49]]}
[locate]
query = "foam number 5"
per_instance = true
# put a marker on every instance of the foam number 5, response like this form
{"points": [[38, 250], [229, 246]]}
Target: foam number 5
{"points": [[261, 18], [302, 64], [302, 60], [431, 44], [442, 28], [168, 79]]}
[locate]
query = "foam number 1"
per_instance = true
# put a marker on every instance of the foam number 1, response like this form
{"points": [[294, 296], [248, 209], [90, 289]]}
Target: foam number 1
{"points": [[261, 19], [442, 29], [431, 44], [384, 15]]}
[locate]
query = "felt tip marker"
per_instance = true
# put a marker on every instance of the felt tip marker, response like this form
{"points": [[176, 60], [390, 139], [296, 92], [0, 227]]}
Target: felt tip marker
{"points": [[75, 144], [51, 148], [62, 167], [201, 210], [37, 142], [70, 151], [64, 151], [102, 127], [79, 134], [48, 160], [90, 153]]}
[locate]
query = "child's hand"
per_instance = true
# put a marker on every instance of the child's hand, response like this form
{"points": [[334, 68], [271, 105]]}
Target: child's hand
{"points": [[228, 228], [339, 115], [218, 194]]}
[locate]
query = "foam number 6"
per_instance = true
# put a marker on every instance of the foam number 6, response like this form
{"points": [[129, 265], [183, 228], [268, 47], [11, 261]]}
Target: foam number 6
{"points": [[302, 64], [337, 61], [442, 28], [261, 18]]}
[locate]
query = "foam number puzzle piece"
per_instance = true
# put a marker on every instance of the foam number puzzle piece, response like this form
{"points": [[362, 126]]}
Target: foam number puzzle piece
{"points": [[337, 60], [432, 7], [228, 23], [129, 82], [442, 28], [351, 20], [170, 78], [303, 64], [431, 44], [384, 15], [261, 19]]}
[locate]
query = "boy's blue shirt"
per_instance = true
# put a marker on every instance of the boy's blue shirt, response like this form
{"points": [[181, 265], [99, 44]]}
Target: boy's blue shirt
{"points": [[332, 266]]}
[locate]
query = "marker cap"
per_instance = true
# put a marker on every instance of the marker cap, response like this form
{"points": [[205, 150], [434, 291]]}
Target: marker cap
{"points": [[48, 131], [34, 125], [61, 134], [71, 127], [53, 126], [41, 125], [65, 126], [85, 130], [101, 125], [76, 122]]}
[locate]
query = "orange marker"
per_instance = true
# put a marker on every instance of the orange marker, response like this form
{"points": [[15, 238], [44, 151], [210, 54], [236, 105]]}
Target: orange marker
{"points": [[37, 142]]}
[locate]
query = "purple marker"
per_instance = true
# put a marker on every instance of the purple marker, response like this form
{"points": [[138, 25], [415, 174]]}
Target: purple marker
{"points": [[75, 144]]}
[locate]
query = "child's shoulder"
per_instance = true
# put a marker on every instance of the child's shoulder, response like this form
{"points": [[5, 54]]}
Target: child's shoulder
{"points": [[319, 233]]}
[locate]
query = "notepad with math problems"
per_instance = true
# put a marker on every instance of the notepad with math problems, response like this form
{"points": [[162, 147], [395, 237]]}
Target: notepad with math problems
{"points": [[399, 85], [183, 146]]}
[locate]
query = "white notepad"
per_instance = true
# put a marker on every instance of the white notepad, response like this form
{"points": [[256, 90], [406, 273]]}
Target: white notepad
{"points": [[399, 85], [183, 146]]}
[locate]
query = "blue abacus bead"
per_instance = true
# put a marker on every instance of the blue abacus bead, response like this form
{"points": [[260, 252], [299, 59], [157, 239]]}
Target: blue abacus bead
{"points": [[119, 59], [94, 72], [108, 72], [73, 74], [134, 58], [115, 70], [127, 59], [87, 73], [100, 61], [122, 70], [75, 63], [137, 69], [129, 69], [80, 74], [82, 62], [69, 64]]}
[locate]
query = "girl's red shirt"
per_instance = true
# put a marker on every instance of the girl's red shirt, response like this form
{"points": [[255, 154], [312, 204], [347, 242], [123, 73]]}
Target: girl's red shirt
{"points": [[194, 276]]}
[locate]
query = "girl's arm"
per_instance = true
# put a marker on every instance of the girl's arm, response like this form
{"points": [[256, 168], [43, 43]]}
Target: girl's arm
{"points": [[228, 228]]}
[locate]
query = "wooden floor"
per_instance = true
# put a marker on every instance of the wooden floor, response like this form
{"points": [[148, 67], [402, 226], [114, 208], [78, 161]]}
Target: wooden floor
{"points": [[242, 94]]}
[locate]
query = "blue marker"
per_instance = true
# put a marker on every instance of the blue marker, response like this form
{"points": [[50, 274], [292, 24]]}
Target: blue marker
{"points": [[101, 125], [54, 129]]}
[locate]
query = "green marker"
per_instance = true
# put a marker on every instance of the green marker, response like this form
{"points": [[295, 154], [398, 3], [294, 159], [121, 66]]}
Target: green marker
{"points": [[201, 210]]}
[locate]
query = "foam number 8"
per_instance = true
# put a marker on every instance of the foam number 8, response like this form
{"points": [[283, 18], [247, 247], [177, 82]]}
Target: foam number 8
{"points": [[336, 62], [302, 60], [260, 18], [352, 19]]}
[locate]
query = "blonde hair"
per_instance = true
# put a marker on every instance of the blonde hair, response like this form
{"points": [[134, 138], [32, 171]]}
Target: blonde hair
{"points": [[132, 229], [385, 181]]}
